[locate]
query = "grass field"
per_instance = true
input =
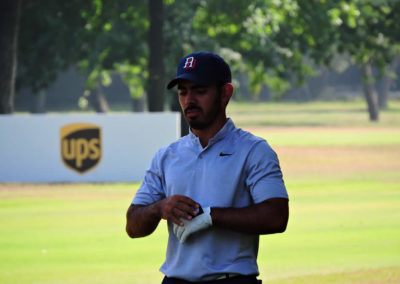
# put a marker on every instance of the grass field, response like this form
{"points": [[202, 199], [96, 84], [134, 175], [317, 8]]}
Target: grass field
{"points": [[341, 113], [343, 178]]}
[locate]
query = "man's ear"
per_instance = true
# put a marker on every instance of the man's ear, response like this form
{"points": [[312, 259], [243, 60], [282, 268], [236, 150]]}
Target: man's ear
{"points": [[227, 92]]}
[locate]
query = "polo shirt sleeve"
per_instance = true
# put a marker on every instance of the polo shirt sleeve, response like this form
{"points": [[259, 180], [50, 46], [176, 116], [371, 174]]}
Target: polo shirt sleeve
{"points": [[264, 176], [152, 188]]}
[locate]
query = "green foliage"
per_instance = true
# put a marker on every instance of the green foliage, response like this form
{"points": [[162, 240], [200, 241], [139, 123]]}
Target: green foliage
{"points": [[272, 38], [116, 31], [364, 29], [274, 43], [50, 39], [96, 35], [133, 76]]}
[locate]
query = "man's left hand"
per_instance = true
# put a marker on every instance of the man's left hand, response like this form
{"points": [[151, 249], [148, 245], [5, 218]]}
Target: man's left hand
{"points": [[198, 223]]}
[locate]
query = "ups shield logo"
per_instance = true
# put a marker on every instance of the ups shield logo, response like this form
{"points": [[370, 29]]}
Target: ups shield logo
{"points": [[81, 146]]}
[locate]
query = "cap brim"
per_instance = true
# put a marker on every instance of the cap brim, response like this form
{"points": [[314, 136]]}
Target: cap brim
{"points": [[172, 83], [187, 76]]}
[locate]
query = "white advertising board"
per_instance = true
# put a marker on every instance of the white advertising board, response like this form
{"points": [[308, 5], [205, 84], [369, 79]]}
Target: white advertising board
{"points": [[83, 147]]}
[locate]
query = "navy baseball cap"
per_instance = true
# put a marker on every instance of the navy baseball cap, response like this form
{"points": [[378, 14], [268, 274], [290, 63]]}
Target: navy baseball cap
{"points": [[204, 68]]}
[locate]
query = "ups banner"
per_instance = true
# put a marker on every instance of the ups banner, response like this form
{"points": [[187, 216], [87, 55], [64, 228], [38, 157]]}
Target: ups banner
{"points": [[82, 148]]}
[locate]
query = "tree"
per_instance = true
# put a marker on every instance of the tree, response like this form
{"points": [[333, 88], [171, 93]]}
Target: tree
{"points": [[366, 34], [115, 42], [101, 36], [386, 82], [180, 38], [273, 42], [52, 37], [252, 36], [9, 27], [367, 30], [277, 40], [156, 81]]}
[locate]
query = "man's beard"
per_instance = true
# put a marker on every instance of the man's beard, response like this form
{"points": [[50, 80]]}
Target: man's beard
{"points": [[209, 118]]}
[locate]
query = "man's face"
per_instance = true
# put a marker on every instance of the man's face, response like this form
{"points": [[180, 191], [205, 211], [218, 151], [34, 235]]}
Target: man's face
{"points": [[201, 105]]}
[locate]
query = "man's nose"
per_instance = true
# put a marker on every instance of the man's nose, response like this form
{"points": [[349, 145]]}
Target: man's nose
{"points": [[190, 97]]}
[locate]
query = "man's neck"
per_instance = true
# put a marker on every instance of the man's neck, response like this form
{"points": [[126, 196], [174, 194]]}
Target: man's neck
{"points": [[207, 133]]}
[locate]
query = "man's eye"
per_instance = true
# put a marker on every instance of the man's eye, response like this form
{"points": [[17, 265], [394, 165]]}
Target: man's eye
{"points": [[201, 91]]}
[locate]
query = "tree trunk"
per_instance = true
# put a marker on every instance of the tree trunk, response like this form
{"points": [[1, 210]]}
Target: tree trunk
{"points": [[156, 80], [9, 25], [370, 93], [387, 80], [317, 84], [39, 102], [138, 104], [175, 106], [97, 100]]}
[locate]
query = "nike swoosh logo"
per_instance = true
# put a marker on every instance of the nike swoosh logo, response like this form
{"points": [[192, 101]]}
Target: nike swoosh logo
{"points": [[224, 154]]}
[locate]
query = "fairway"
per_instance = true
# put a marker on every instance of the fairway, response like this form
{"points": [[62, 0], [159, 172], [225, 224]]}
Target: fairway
{"points": [[344, 225]]}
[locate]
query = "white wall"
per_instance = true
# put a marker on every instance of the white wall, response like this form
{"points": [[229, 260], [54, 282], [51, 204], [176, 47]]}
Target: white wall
{"points": [[30, 146]]}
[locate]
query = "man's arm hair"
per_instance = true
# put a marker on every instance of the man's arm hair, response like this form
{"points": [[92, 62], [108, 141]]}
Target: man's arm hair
{"points": [[142, 220], [268, 217]]}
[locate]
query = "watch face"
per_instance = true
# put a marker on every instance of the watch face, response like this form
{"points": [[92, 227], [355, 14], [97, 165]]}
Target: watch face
{"points": [[199, 211]]}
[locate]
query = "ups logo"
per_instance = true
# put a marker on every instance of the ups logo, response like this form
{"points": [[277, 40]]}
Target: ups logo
{"points": [[81, 146]]}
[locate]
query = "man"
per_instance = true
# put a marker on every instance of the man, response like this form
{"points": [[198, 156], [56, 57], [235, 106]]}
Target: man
{"points": [[219, 187]]}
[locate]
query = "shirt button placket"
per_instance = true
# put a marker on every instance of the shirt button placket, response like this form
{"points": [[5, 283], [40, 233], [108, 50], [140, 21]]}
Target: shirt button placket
{"points": [[199, 162]]}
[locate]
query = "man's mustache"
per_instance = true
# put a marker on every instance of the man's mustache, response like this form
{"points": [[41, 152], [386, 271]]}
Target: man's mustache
{"points": [[192, 107]]}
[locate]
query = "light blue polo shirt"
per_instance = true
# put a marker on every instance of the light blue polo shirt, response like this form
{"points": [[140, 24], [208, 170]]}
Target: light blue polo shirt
{"points": [[236, 169]]}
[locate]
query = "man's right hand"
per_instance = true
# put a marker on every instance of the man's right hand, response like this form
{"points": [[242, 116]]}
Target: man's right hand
{"points": [[176, 207]]}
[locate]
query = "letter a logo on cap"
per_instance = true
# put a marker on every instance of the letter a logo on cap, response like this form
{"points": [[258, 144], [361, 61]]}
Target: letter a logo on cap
{"points": [[190, 63]]}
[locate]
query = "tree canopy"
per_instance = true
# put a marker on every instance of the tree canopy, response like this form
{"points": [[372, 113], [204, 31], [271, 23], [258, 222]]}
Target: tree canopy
{"points": [[273, 43]]}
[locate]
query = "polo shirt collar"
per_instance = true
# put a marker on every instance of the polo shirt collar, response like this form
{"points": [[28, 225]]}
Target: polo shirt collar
{"points": [[221, 134]]}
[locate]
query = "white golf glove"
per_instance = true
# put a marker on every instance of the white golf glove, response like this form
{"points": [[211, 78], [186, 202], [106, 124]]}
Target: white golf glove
{"points": [[198, 223]]}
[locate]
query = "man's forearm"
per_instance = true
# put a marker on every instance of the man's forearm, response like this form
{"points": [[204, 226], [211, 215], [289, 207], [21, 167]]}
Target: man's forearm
{"points": [[142, 220], [268, 217]]}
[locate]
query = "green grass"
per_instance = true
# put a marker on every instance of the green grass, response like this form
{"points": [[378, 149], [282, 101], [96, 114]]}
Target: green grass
{"points": [[313, 136], [72, 234], [336, 228], [342, 113], [344, 227], [75, 234]]}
